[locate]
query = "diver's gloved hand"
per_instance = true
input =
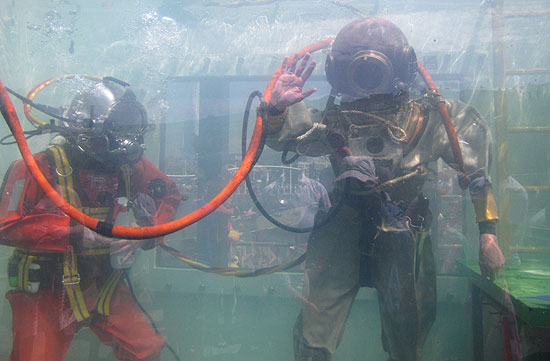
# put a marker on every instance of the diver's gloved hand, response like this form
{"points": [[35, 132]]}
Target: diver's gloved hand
{"points": [[288, 89], [491, 258], [128, 247]]}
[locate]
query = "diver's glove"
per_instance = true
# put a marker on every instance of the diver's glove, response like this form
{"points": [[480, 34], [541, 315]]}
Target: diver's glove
{"points": [[491, 258]]}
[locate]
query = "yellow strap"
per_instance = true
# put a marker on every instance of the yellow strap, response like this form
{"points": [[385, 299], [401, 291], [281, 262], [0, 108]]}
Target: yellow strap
{"points": [[96, 212], [41, 255], [64, 173], [126, 173], [71, 278], [94, 252], [106, 293], [23, 272], [71, 282]]}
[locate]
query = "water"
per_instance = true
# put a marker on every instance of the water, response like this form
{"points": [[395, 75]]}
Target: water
{"points": [[192, 64]]}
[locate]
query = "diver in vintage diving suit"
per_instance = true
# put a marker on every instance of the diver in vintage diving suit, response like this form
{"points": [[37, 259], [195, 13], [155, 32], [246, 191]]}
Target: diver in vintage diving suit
{"points": [[380, 142]]}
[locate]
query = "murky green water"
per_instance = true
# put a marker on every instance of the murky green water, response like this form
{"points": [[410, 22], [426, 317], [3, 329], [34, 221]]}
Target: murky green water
{"points": [[193, 64]]}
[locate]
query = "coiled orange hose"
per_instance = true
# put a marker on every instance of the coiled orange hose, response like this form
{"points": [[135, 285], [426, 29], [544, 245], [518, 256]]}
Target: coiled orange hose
{"points": [[107, 229]]}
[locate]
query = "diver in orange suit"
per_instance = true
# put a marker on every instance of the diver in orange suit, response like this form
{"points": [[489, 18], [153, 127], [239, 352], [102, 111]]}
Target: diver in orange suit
{"points": [[63, 274]]}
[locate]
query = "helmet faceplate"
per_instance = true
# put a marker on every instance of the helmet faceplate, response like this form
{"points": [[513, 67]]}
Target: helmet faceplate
{"points": [[109, 122]]}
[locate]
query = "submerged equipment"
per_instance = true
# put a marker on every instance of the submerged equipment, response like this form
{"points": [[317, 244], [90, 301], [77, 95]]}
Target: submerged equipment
{"points": [[361, 62], [108, 229]]}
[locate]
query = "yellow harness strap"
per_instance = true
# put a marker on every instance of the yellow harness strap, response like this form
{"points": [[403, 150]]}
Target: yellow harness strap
{"points": [[23, 272], [108, 289], [106, 293], [64, 173], [71, 282], [96, 212], [24, 259], [71, 278], [94, 252], [126, 173]]}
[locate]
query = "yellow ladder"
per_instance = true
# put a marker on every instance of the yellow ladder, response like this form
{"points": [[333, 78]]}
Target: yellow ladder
{"points": [[502, 129]]}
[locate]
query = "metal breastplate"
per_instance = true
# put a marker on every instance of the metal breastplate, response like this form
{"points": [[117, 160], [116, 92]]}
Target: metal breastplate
{"points": [[386, 138], [385, 153]]}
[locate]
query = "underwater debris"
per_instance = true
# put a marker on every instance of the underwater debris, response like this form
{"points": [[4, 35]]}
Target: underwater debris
{"points": [[35, 27], [8, 20]]}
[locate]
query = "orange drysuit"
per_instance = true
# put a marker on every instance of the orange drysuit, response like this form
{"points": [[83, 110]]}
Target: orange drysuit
{"points": [[77, 285]]}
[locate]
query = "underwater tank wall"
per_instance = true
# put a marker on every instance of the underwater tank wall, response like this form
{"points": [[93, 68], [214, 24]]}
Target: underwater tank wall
{"points": [[214, 289]]}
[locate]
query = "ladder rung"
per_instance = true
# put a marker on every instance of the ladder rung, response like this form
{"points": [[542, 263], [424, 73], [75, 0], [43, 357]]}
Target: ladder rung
{"points": [[528, 71], [531, 248], [520, 14], [528, 129], [537, 188]]}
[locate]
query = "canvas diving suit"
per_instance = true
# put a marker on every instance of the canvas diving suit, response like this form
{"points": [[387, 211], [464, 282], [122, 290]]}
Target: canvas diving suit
{"points": [[379, 236]]}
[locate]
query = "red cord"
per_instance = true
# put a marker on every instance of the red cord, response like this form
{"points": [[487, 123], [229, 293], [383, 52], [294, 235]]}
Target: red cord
{"points": [[449, 127], [8, 111]]}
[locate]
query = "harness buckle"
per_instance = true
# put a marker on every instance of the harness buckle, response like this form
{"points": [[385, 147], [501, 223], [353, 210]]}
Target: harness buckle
{"points": [[70, 280]]}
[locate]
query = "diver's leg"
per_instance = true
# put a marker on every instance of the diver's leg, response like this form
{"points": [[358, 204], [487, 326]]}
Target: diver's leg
{"points": [[43, 326], [406, 293], [393, 260], [426, 292], [331, 282], [127, 330]]}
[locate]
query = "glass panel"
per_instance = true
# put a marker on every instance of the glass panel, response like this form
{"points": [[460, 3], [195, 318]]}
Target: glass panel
{"points": [[398, 169]]}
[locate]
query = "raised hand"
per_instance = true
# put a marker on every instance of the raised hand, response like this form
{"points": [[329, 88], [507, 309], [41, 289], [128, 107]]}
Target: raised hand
{"points": [[289, 87]]}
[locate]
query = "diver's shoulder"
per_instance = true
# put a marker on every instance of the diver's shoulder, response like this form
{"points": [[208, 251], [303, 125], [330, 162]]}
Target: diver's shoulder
{"points": [[459, 111]]}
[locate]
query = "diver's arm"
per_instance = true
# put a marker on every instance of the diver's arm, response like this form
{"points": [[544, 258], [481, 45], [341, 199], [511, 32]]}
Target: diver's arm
{"points": [[288, 119], [475, 143], [286, 131], [166, 198], [28, 218]]}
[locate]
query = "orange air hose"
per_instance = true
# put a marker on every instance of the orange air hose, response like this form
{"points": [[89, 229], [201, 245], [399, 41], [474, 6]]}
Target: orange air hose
{"points": [[27, 107], [266, 270], [107, 229], [463, 179]]}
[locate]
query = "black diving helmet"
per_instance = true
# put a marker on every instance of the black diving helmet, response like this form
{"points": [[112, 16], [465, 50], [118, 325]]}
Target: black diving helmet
{"points": [[109, 123]]}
